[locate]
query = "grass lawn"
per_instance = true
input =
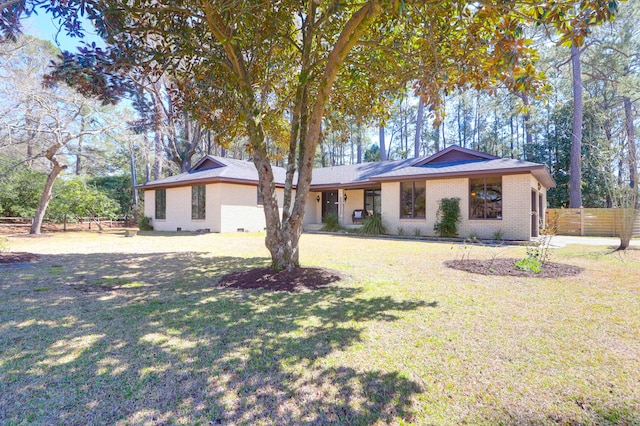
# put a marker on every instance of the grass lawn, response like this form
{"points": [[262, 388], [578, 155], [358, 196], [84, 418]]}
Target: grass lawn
{"points": [[104, 329]]}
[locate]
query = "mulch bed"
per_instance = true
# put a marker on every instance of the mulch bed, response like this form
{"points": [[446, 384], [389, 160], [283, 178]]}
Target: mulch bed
{"points": [[507, 267], [300, 279], [17, 257]]}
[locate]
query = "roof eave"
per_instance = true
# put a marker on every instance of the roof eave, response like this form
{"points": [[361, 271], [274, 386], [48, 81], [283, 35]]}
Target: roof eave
{"points": [[190, 182], [539, 171]]}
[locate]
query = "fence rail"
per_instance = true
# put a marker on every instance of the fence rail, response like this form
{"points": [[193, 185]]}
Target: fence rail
{"points": [[590, 222], [27, 221]]}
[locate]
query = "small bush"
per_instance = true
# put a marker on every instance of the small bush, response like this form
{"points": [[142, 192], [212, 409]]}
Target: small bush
{"points": [[331, 223], [416, 232], [372, 225], [400, 230], [529, 264], [498, 235], [145, 224], [448, 217]]}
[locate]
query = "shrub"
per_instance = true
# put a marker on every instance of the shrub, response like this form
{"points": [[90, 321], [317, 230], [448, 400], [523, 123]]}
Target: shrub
{"points": [[145, 224], [416, 232], [372, 225], [448, 217], [498, 235], [331, 223], [529, 263], [400, 230]]}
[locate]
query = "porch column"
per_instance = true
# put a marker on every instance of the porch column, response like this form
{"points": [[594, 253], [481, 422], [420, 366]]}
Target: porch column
{"points": [[341, 205]]}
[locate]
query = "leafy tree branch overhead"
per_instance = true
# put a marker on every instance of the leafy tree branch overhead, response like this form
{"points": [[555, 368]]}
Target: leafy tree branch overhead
{"points": [[262, 61]]}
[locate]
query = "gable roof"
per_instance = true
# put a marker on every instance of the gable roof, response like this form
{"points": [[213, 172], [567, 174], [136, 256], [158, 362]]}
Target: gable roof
{"points": [[471, 168], [217, 169], [454, 153], [451, 162], [355, 174]]}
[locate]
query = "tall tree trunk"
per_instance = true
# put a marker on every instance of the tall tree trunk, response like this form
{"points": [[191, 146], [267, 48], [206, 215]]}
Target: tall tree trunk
{"points": [[419, 125], [527, 125], [575, 178], [383, 148], [359, 142], [633, 155], [512, 137], [134, 190], [79, 154], [36, 226], [158, 131], [458, 118]]}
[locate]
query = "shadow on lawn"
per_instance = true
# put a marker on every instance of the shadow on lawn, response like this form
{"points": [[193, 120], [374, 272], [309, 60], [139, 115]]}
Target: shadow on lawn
{"points": [[104, 338]]}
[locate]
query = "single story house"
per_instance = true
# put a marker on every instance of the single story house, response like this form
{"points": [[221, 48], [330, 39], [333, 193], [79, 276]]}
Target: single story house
{"points": [[498, 196]]}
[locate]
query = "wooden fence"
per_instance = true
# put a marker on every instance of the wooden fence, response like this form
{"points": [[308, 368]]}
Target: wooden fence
{"points": [[27, 221], [590, 222]]}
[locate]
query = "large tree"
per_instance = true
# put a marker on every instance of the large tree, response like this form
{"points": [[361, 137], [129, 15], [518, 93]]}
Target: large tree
{"points": [[40, 124], [260, 60]]}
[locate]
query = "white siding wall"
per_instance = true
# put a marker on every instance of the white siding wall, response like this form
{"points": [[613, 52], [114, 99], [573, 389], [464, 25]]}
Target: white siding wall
{"points": [[239, 208], [232, 206], [355, 201], [149, 203], [229, 207], [313, 209], [516, 208], [179, 211]]}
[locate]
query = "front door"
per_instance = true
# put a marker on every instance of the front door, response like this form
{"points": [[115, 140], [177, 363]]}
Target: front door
{"points": [[329, 203], [534, 214]]}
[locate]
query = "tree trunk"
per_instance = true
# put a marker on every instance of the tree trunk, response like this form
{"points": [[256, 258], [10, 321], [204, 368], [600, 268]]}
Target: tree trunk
{"points": [[79, 154], [383, 148], [512, 137], [575, 178], [527, 125], [36, 226], [158, 114], [633, 158], [359, 143], [134, 180], [419, 121]]}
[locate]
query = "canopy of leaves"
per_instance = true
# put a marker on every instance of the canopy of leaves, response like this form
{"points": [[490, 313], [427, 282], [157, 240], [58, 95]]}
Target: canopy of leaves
{"points": [[20, 191], [74, 198], [444, 45], [117, 188]]}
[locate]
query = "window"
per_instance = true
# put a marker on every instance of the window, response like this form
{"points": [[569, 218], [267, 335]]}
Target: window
{"points": [[260, 199], [161, 203], [485, 198], [412, 199], [198, 201], [372, 199]]}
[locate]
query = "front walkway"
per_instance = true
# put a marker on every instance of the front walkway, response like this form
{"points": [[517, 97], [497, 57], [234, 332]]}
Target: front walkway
{"points": [[564, 240]]}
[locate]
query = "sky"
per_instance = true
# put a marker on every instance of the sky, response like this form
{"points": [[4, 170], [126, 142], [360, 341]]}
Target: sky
{"points": [[44, 27]]}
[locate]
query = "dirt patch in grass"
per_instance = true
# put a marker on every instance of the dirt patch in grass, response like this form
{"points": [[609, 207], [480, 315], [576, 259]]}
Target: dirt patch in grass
{"points": [[299, 279], [507, 267], [18, 257]]}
